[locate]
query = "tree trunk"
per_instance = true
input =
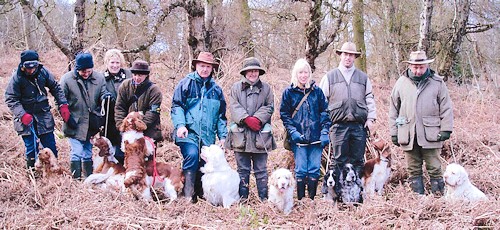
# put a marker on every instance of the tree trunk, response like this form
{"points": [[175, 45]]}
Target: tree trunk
{"points": [[196, 28], [425, 25], [450, 56], [76, 43], [213, 40], [245, 39], [359, 33], [27, 24], [393, 31]]}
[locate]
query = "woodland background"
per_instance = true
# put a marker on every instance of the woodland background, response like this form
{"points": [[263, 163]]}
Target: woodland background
{"points": [[463, 36]]}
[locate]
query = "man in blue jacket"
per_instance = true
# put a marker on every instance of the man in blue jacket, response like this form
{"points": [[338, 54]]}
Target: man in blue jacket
{"points": [[198, 115]]}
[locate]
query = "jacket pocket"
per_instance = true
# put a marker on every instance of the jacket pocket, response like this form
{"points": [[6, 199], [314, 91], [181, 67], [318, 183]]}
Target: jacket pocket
{"points": [[336, 111], [264, 139], [236, 136], [404, 134], [432, 126]]}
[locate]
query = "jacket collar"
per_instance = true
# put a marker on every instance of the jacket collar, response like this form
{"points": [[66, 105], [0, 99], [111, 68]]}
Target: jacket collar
{"points": [[245, 83]]}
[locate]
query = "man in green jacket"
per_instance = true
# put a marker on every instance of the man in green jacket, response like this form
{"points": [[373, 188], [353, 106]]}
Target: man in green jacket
{"points": [[420, 119]]}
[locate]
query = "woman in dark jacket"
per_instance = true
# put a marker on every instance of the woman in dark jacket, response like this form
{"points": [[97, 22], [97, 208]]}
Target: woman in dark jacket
{"points": [[308, 128], [115, 74]]}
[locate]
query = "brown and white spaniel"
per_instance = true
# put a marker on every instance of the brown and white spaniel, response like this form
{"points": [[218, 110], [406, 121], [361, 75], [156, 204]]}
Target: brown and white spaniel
{"points": [[167, 178], [47, 164], [135, 171], [377, 171]]}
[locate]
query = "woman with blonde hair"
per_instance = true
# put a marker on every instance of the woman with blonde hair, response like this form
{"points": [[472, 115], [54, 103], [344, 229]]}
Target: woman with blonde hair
{"points": [[114, 74], [304, 114]]}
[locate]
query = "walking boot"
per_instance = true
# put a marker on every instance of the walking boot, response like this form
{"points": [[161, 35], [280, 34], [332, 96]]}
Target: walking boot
{"points": [[437, 186], [188, 190], [30, 165], [76, 169], [198, 186], [262, 188], [312, 185], [243, 188], [417, 184], [88, 166], [301, 187]]}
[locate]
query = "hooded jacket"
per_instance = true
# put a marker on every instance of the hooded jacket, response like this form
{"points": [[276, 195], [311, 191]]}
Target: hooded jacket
{"points": [[28, 94], [420, 112], [199, 105]]}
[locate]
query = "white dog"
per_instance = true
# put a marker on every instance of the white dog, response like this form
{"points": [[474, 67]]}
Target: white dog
{"points": [[220, 182], [459, 186], [281, 190]]}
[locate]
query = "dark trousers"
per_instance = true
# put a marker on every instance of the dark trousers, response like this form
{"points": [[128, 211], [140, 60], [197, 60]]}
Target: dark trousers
{"points": [[349, 142], [244, 162]]}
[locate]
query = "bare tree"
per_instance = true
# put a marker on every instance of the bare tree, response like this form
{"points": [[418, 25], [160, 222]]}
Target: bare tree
{"points": [[425, 25], [27, 24], [359, 33]]}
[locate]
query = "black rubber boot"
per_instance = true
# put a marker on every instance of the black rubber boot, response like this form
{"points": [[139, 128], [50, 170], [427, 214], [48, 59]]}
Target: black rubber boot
{"points": [[30, 163], [262, 188], [312, 186], [243, 187], [417, 184], [88, 166], [437, 186], [76, 169], [188, 190], [301, 188]]}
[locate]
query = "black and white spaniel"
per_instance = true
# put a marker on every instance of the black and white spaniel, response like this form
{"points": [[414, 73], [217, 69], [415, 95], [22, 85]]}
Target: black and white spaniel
{"points": [[350, 185]]}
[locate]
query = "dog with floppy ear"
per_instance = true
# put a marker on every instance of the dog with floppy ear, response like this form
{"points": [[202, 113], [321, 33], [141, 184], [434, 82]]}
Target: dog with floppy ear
{"points": [[48, 165], [107, 166], [328, 188], [281, 188], [458, 185], [377, 171]]}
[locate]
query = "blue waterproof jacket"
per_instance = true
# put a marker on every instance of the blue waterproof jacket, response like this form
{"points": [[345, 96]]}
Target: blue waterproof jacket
{"points": [[311, 118], [199, 105]]}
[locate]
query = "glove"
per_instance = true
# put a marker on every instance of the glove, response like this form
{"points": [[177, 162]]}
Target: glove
{"points": [[253, 123], [444, 135], [325, 140], [395, 140], [297, 137], [108, 96], [71, 122], [64, 111], [26, 119]]}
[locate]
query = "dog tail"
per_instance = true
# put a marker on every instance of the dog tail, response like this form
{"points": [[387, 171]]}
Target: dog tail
{"points": [[98, 178]]}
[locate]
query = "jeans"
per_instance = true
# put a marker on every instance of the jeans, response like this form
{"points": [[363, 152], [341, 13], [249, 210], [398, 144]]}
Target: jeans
{"points": [[80, 150], [190, 153], [307, 160], [416, 157], [349, 142], [47, 140]]}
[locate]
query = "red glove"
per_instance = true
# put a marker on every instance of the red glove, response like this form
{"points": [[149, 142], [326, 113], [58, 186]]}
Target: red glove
{"points": [[26, 119], [64, 110], [253, 123]]}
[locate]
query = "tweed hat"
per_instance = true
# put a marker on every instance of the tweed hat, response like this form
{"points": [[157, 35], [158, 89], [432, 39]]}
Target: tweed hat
{"points": [[350, 48], [418, 58], [140, 67], [252, 63]]}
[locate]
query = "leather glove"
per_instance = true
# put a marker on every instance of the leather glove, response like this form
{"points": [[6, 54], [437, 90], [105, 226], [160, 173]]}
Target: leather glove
{"points": [[253, 123], [64, 111], [71, 122], [395, 140], [297, 137], [26, 119], [444, 135], [325, 140]]}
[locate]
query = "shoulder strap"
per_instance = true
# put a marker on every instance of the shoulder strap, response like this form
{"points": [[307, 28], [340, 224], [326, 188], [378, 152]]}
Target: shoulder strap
{"points": [[300, 103], [138, 93]]}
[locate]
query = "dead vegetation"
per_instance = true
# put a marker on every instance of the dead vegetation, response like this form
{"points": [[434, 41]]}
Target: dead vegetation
{"points": [[64, 203]]}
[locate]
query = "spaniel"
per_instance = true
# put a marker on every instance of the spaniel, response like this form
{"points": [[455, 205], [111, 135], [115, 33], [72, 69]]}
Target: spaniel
{"points": [[350, 185], [47, 164], [328, 186], [281, 188], [132, 129], [135, 172], [166, 177], [220, 182], [108, 174], [459, 186], [377, 171]]}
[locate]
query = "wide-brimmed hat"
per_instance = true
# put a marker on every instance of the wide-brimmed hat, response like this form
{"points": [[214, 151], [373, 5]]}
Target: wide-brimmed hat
{"points": [[350, 48], [418, 58], [252, 63], [140, 67], [205, 57]]}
